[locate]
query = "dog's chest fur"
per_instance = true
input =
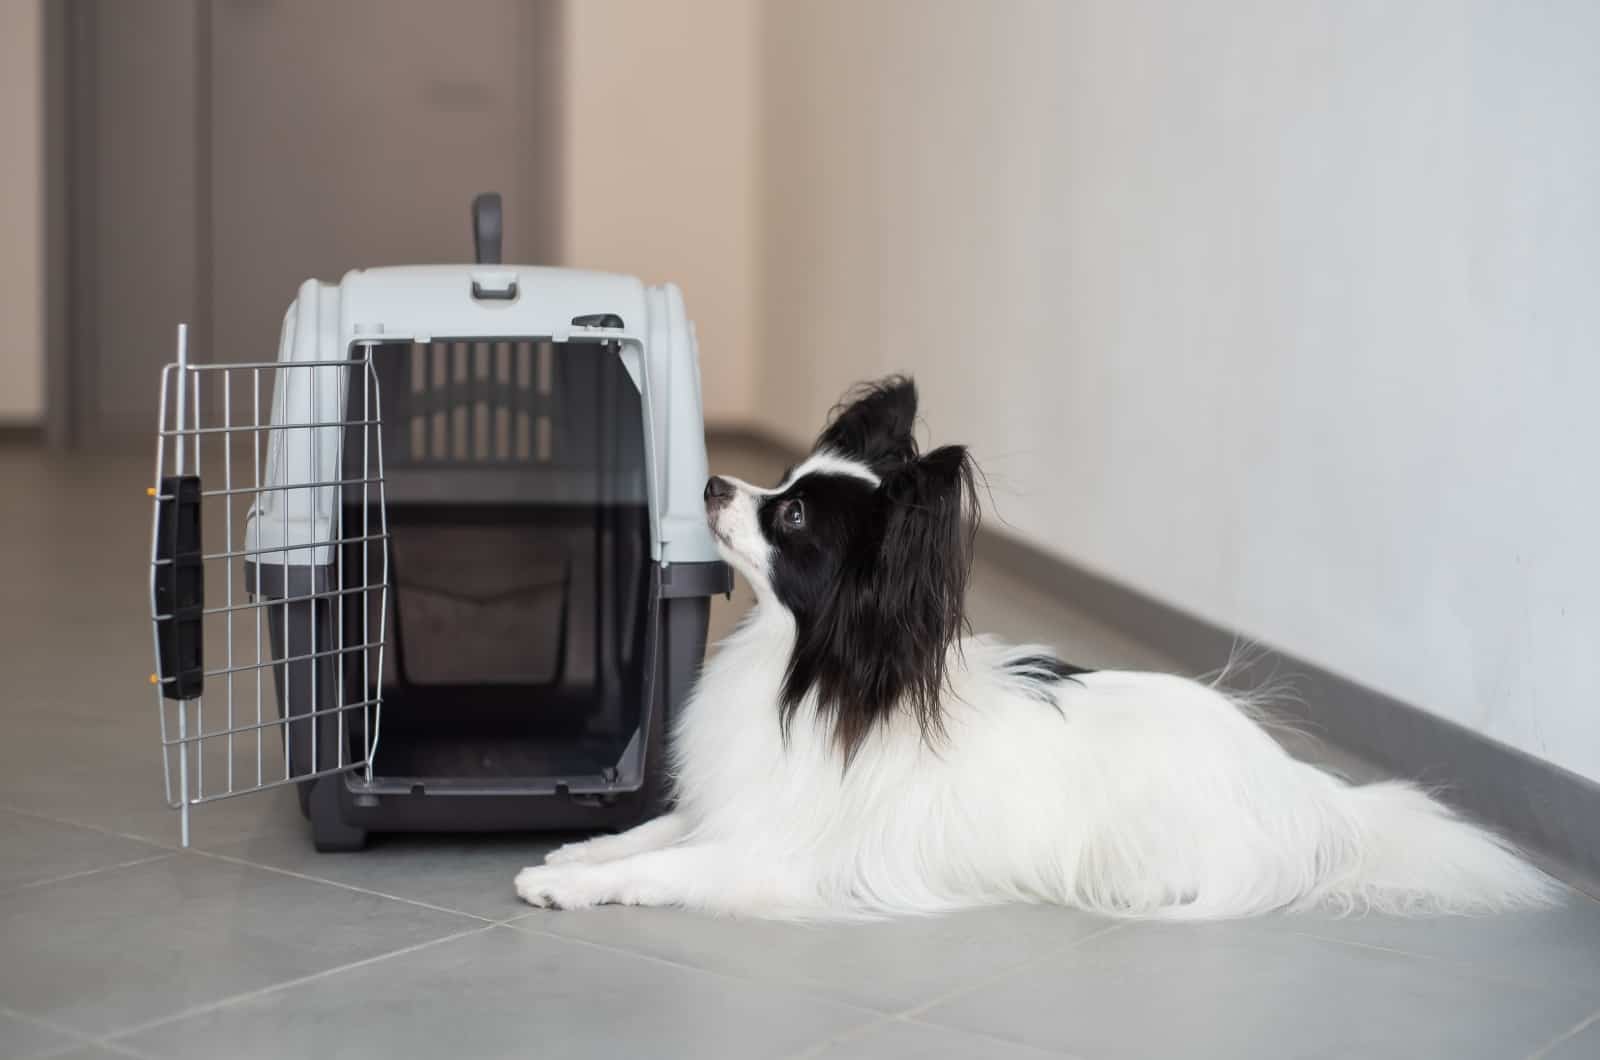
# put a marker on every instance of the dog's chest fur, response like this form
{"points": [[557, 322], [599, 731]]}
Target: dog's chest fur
{"points": [[736, 775], [729, 758]]}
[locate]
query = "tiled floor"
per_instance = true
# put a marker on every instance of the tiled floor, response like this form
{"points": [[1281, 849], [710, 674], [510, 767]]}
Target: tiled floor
{"points": [[115, 943]]}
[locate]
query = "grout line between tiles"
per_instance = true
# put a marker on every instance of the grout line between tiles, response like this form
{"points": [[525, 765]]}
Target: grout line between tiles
{"points": [[250, 995], [1455, 964], [1378, 946], [511, 920], [1581, 1026], [122, 1050], [516, 925], [79, 1039], [169, 849], [907, 1015], [162, 842], [1006, 973], [489, 921], [968, 1032], [64, 877], [115, 1048], [816, 1049], [66, 823]]}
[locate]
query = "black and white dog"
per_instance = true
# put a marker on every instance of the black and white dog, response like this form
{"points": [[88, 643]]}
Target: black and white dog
{"points": [[848, 752]]}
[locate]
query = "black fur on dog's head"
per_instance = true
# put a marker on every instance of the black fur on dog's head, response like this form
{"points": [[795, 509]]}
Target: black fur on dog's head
{"points": [[868, 545]]}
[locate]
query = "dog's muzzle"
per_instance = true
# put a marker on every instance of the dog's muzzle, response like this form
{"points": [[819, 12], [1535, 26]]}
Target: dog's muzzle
{"points": [[719, 494]]}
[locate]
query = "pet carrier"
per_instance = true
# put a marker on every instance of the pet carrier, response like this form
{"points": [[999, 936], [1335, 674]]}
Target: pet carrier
{"points": [[443, 565]]}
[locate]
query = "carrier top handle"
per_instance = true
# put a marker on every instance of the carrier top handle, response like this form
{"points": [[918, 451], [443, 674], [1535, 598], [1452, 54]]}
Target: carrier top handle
{"points": [[486, 228]]}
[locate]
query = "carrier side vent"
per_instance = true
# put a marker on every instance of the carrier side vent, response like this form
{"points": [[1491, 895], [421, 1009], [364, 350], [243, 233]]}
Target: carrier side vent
{"points": [[597, 320]]}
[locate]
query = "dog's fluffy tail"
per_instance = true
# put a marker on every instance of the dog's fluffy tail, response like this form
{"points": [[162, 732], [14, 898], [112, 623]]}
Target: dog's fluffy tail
{"points": [[1394, 849], [1242, 827]]}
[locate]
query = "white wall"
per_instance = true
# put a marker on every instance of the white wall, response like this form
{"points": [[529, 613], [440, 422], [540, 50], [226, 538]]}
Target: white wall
{"points": [[21, 212], [1285, 313], [660, 155]]}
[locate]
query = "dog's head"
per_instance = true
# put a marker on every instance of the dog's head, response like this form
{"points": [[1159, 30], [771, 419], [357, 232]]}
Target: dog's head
{"points": [[867, 543]]}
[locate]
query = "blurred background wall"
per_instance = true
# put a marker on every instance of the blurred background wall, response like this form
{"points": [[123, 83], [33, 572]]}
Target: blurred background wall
{"points": [[1283, 313], [21, 213], [660, 156]]}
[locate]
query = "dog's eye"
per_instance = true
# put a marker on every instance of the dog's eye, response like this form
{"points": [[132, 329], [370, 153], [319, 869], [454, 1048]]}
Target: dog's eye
{"points": [[793, 514]]}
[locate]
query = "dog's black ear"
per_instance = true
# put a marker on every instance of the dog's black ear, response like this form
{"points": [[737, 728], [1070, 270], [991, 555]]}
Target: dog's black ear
{"points": [[931, 523], [884, 646], [874, 423]]}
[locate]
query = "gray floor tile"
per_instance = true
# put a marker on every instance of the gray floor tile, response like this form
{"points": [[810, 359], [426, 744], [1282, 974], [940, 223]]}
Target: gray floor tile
{"points": [[506, 993], [127, 945], [1557, 947], [124, 946], [22, 1038], [1233, 991], [32, 850], [78, 767], [908, 1040], [888, 966], [472, 874], [1584, 1045], [130, 802], [91, 1052]]}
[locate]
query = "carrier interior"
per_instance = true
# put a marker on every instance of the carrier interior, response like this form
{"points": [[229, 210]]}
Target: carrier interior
{"points": [[519, 562]]}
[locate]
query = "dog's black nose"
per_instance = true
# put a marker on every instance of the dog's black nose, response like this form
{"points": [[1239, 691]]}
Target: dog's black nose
{"points": [[719, 491]]}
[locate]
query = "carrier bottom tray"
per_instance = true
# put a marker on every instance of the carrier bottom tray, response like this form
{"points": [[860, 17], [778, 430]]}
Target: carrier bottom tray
{"points": [[478, 733], [489, 759]]}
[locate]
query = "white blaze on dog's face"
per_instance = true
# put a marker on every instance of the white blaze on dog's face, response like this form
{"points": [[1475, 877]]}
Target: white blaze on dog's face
{"points": [[866, 437], [866, 545], [731, 515], [758, 530]]}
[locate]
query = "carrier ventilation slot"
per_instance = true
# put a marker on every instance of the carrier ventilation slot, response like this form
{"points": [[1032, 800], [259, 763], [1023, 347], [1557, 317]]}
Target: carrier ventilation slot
{"points": [[481, 404]]}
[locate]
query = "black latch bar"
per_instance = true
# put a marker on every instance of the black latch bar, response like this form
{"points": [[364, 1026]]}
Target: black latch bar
{"points": [[179, 587]]}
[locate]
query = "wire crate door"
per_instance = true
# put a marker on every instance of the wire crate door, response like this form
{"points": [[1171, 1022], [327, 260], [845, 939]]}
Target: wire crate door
{"points": [[269, 575]]}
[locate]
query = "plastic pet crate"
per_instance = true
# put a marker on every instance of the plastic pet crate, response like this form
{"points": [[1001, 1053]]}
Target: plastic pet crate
{"points": [[443, 564]]}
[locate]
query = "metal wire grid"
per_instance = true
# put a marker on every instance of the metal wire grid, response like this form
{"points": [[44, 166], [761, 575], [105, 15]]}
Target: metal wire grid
{"points": [[213, 421]]}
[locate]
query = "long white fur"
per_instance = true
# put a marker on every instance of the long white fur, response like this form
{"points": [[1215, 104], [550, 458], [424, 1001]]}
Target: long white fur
{"points": [[1133, 794]]}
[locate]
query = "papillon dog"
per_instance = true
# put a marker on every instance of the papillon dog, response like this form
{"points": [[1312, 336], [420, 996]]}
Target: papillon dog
{"points": [[850, 752]]}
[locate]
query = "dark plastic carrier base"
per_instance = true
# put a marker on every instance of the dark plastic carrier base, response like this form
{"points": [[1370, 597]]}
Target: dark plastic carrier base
{"points": [[533, 651], [482, 772]]}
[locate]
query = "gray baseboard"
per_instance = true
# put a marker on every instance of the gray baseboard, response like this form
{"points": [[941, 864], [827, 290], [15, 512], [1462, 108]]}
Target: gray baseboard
{"points": [[1552, 813]]}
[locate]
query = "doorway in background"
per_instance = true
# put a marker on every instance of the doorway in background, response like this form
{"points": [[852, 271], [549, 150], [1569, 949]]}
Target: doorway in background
{"points": [[217, 153]]}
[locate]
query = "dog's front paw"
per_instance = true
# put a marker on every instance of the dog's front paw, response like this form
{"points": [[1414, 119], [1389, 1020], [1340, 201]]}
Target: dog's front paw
{"points": [[559, 887], [573, 853]]}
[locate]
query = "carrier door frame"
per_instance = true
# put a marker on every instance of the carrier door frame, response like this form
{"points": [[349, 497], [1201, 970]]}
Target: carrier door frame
{"points": [[262, 617]]}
